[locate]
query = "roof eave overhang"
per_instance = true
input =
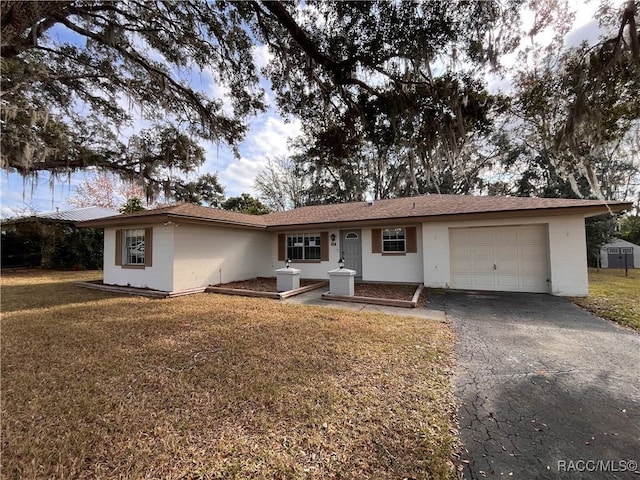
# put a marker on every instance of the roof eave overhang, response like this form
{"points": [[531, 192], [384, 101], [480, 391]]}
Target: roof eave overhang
{"points": [[586, 211], [164, 218], [19, 221]]}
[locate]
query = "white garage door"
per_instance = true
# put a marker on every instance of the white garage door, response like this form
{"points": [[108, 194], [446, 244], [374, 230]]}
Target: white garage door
{"points": [[512, 259]]}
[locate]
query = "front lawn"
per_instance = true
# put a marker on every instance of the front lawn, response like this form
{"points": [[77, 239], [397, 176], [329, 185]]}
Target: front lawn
{"points": [[99, 385], [614, 296]]}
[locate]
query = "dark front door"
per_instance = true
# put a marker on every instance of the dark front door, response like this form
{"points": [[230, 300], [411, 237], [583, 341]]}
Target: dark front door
{"points": [[351, 250]]}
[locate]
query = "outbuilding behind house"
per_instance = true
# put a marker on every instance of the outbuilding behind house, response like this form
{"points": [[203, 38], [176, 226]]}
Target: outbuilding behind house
{"points": [[619, 253]]}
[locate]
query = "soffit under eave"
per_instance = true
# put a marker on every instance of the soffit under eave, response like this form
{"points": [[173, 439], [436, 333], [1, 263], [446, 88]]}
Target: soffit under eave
{"points": [[587, 211], [164, 218]]}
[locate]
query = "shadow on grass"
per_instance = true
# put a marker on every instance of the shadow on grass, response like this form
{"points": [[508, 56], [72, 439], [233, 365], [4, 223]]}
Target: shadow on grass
{"points": [[228, 387], [48, 295]]}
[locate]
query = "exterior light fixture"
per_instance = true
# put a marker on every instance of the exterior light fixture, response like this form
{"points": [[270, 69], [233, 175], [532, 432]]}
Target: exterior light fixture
{"points": [[341, 262], [333, 237], [287, 263]]}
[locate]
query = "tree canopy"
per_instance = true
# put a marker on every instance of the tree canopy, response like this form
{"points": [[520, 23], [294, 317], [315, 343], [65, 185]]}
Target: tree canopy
{"points": [[74, 73], [103, 189], [71, 69], [392, 94], [245, 204]]}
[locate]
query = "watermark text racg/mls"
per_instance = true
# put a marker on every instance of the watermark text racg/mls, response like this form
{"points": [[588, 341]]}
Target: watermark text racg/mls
{"points": [[597, 465]]}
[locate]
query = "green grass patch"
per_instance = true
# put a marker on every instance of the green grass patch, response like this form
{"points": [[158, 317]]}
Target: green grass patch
{"points": [[614, 296], [99, 385]]}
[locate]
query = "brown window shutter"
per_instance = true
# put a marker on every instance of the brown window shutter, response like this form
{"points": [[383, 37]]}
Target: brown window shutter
{"points": [[148, 246], [376, 240], [282, 246], [118, 247], [324, 246], [412, 240]]}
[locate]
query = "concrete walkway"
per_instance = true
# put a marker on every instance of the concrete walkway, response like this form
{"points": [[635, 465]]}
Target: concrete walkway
{"points": [[545, 387], [314, 298]]}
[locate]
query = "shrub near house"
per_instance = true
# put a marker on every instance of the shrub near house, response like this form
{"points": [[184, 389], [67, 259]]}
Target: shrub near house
{"points": [[51, 240]]}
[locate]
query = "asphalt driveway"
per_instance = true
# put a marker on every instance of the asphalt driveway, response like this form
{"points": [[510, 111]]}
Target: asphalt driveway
{"points": [[547, 390]]}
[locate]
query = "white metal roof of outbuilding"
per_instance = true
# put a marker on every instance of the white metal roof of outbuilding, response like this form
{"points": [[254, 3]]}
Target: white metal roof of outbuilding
{"points": [[79, 214]]}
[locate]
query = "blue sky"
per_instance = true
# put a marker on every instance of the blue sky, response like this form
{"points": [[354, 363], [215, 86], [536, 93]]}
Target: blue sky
{"points": [[267, 137]]}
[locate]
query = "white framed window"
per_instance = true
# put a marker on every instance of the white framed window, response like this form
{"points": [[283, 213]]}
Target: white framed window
{"points": [[394, 240], [304, 246], [613, 250], [133, 245], [626, 250], [351, 236]]}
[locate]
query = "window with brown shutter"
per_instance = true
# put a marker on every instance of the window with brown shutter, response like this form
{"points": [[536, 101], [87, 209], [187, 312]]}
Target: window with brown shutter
{"points": [[134, 247], [118, 247], [148, 246], [304, 247], [412, 240], [394, 240], [324, 246], [376, 240], [282, 247]]}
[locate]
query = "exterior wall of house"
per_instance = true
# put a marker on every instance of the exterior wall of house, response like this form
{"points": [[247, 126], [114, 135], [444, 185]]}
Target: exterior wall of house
{"points": [[567, 251], [619, 243], [206, 255], [159, 276], [313, 270], [188, 256], [377, 267], [568, 256]]}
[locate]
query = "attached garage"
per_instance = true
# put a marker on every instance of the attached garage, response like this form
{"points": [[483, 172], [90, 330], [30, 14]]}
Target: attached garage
{"points": [[504, 258], [443, 241]]}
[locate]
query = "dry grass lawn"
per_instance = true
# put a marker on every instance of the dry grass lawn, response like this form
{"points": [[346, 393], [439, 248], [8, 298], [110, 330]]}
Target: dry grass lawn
{"points": [[614, 296], [98, 385]]}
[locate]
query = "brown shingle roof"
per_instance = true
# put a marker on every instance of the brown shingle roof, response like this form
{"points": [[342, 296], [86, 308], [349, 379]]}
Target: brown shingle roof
{"points": [[189, 211], [417, 208], [427, 206]]}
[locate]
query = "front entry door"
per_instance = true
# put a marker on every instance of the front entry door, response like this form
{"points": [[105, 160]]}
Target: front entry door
{"points": [[351, 250]]}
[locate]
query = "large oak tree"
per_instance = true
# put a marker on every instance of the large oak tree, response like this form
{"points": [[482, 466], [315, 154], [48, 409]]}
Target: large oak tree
{"points": [[74, 73], [388, 92]]}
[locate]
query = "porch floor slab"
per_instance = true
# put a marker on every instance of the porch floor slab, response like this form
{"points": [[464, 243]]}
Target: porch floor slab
{"points": [[315, 298]]}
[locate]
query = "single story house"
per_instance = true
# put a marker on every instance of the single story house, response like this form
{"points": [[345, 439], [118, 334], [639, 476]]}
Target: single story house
{"points": [[619, 253], [444, 241]]}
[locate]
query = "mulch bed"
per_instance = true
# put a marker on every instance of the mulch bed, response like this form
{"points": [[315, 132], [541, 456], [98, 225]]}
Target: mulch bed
{"points": [[261, 284], [390, 291], [385, 290]]}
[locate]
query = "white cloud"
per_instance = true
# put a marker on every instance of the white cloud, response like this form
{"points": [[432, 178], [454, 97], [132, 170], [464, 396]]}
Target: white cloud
{"points": [[220, 92], [590, 32], [267, 138], [498, 83], [239, 176], [261, 56], [270, 136]]}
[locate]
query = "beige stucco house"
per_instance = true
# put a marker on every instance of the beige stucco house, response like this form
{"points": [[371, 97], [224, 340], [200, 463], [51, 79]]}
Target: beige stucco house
{"points": [[444, 241]]}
